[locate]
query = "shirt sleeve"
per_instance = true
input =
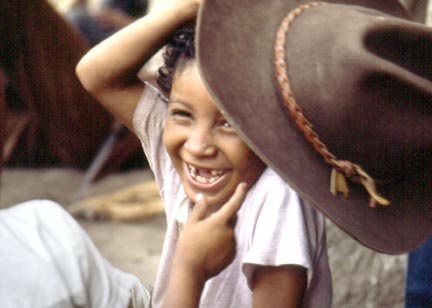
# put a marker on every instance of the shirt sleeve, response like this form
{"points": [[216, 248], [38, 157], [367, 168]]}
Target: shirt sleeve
{"points": [[284, 231], [148, 123]]}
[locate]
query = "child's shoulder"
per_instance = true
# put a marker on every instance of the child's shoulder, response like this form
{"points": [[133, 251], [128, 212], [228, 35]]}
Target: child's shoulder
{"points": [[270, 180], [271, 184], [151, 103], [153, 91]]}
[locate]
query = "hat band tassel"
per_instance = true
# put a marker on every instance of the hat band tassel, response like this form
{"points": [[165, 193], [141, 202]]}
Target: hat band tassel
{"points": [[356, 174], [342, 169]]}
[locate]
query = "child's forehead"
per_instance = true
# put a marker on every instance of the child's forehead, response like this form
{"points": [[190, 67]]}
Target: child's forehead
{"points": [[183, 63], [189, 89], [195, 104]]}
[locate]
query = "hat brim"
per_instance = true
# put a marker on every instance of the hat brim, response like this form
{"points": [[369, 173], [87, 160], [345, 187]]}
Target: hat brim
{"points": [[235, 52]]}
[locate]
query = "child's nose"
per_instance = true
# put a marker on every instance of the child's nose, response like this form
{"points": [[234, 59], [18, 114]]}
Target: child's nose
{"points": [[200, 143]]}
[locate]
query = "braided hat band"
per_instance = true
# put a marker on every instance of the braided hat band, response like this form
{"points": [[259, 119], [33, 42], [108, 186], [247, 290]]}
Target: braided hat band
{"points": [[341, 169]]}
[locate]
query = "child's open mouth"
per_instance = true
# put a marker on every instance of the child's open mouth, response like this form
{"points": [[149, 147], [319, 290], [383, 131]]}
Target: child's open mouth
{"points": [[204, 176]]}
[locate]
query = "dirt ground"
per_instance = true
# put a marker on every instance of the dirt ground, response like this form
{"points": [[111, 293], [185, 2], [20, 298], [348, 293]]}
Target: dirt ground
{"points": [[361, 277]]}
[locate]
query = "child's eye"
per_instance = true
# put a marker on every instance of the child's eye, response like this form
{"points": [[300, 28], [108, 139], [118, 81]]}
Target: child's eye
{"points": [[180, 113], [226, 124], [180, 116]]}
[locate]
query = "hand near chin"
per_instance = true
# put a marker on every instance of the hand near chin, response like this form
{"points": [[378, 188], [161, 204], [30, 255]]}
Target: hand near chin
{"points": [[207, 243]]}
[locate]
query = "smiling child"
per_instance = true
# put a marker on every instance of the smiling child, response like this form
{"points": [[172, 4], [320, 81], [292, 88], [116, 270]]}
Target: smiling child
{"points": [[281, 258], [205, 150]]}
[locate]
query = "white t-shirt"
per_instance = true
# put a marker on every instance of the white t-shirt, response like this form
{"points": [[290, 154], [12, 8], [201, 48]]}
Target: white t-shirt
{"points": [[274, 227]]}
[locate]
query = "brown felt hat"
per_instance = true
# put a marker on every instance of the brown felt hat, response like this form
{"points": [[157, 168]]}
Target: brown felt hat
{"points": [[340, 100]]}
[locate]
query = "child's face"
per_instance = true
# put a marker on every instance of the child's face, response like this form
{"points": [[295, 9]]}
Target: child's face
{"points": [[205, 150]]}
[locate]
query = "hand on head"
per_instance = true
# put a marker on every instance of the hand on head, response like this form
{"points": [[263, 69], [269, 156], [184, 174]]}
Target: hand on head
{"points": [[207, 243]]}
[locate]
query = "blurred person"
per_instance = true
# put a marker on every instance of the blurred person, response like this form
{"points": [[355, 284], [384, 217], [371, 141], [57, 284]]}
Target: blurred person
{"points": [[96, 24]]}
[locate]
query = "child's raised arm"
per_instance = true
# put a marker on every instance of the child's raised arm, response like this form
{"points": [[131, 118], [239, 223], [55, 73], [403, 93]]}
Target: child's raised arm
{"points": [[109, 70]]}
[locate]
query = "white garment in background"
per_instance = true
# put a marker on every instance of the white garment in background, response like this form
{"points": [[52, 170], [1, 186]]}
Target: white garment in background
{"points": [[48, 260]]}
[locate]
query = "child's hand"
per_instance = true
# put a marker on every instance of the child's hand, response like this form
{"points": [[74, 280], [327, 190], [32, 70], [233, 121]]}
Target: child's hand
{"points": [[206, 246], [207, 243]]}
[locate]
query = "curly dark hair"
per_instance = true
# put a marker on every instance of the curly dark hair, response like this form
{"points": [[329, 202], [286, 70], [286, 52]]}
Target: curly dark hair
{"points": [[179, 47]]}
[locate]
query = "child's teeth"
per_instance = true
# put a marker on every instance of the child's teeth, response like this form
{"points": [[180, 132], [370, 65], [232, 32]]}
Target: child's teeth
{"points": [[202, 179]]}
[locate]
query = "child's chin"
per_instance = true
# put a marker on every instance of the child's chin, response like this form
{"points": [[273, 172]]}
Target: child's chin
{"points": [[213, 199]]}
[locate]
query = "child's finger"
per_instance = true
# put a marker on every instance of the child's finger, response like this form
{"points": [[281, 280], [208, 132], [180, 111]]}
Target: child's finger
{"points": [[229, 209], [200, 208]]}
